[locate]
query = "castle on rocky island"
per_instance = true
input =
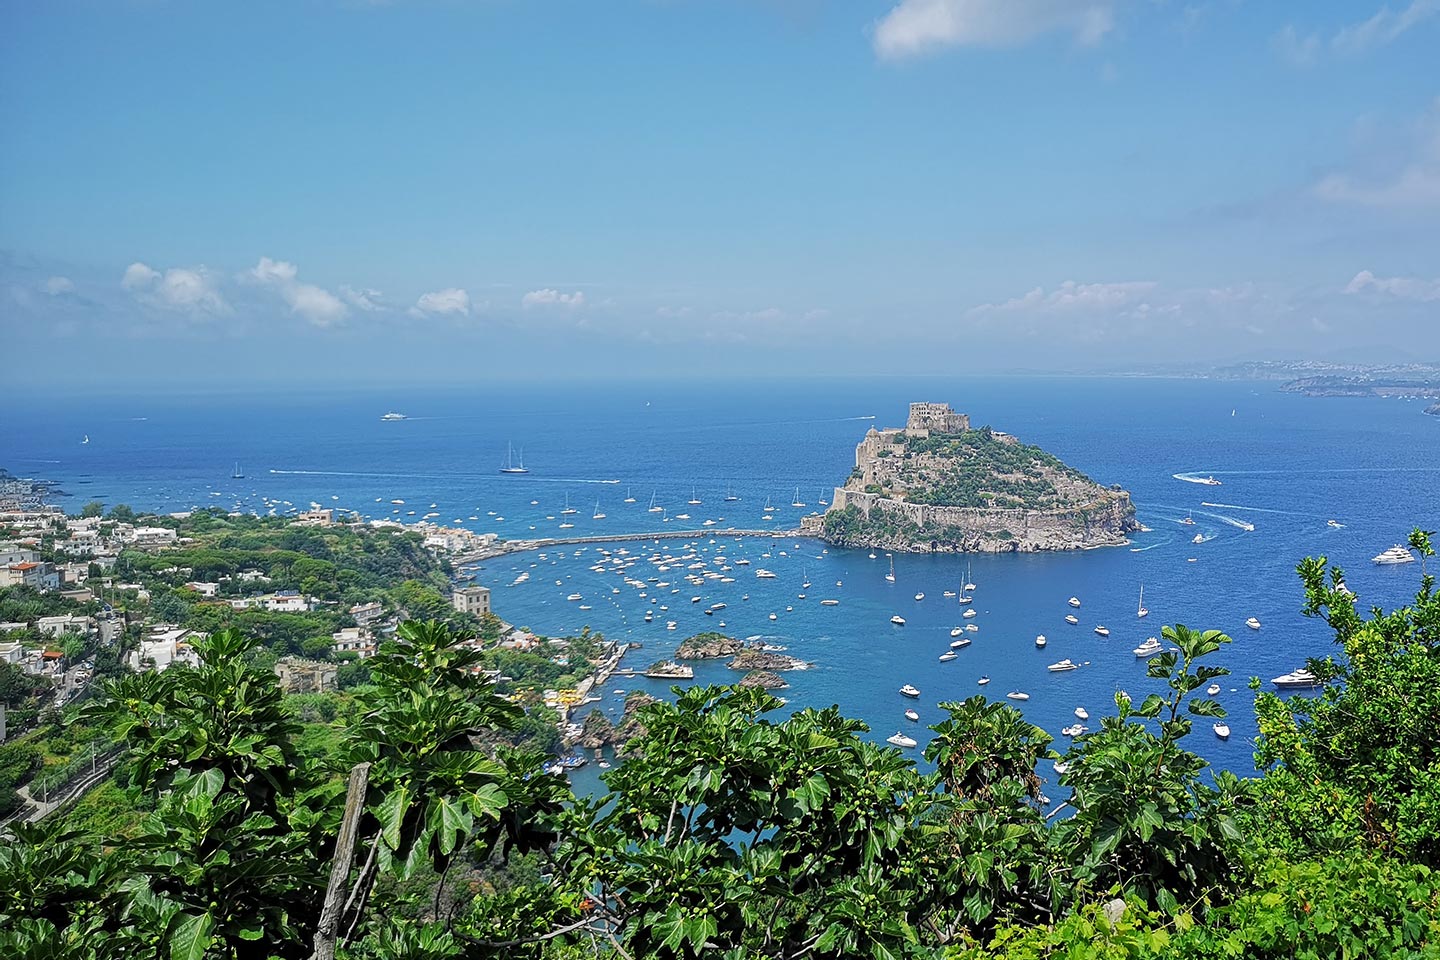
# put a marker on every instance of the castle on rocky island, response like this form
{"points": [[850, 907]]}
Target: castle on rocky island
{"points": [[936, 485]]}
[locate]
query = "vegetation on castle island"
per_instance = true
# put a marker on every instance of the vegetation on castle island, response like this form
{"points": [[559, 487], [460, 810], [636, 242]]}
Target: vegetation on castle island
{"points": [[735, 831]]}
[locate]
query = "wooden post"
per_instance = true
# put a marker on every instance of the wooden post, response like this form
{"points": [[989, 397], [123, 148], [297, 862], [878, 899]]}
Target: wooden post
{"points": [[340, 866]]}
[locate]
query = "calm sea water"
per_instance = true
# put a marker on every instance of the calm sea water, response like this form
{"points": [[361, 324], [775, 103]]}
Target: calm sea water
{"points": [[1288, 464]]}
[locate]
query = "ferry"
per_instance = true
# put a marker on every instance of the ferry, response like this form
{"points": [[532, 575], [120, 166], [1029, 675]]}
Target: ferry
{"points": [[909, 691], [900, 740], [392, 415], [1396, 554]]}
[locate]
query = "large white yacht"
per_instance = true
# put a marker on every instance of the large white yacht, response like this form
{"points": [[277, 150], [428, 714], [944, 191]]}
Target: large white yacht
{"points": [[1063, 665], [900, 740], [1396, 554], [1297, 679], [1149, 648]]}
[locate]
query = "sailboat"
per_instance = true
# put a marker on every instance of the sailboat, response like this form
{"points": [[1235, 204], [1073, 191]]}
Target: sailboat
{"points": [[568, 509], [694, 498], [767, 508], [730, 495], [629, 497], [598, 514], [86, 439], [822, 501], [1141, 611], [797, 501], [891, 575], [510, 465], [654, 507], [238, 474]]}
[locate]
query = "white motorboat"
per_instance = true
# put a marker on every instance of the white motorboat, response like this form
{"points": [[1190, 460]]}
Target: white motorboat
{"points": [[1396, 554], [1212, 690], [1071, 619], [1296, 680], [1222, 729], [1104, 631], [909, 691], [573, 596], [1149, 648], [898, 620], [1060, 766], [1040, 641], [1017, 695], [829, 603], [1063, 665], [959, 644], [971, 628], [1198, 538], [983, 680], [1082, 713], [900, 740], [912, 715], [1074, 601], [919, 597], [947, 656], [1253, 623], [763, 574], [968, 614], [957, 631]]}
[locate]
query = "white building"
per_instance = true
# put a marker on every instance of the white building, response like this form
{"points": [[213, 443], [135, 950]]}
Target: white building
{"points": [[367, 613], [11, 553], [164, 648], [355, 640], [473, 599], [65, 623]]}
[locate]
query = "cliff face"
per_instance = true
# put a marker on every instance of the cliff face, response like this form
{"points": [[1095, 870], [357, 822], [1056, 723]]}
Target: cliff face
{"points": [[916, 491]]}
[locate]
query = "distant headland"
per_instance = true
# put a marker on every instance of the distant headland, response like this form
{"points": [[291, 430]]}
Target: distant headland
{"points": [[938, 486]]}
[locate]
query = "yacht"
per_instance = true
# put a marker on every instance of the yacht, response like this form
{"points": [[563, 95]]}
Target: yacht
{"points": [[510, 465], [567, 526], [85, 439], [763, 574], [1396, 554], [909, 691], [912, 715], [1040, 641], [1140, 609], [1082, 713], [1073, 601], [962, 642], [574, 596], [1063, 665], [947, 656], [1071, 619], [1296, 680], [919, 597], [898, 620], [900, 740], [1103, 631], [1212, 690], [392, 415], [891, 575], [1017, 695], [1253, 623], [957, 631], [237, 475], [1149, 648], [730, 495]]}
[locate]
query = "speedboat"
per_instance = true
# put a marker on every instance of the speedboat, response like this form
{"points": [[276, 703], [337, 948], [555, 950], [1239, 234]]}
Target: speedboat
{"points": [[1212, 690], [1071, 619], [1040, 641], [574, 596], [1296, 680], [1198, 538], [909, 691], [1074, 601], [774, 617], [1062, 666], [919, 597], [983, 680], [1334, 523], [1396, 554], [1222, 729], [1149, 648], [971, 628], [912, 715], [900, 740], [957, 631], [957, 644], [1253, 623], [1103, 631], [947, 656], [1017, 695], [898, 620], [829, 603], [968, 614], [1082, 713]]}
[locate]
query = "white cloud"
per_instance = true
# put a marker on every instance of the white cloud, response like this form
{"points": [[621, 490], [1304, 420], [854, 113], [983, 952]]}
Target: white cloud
{"points": [[1071, 296], [1403, 288], [315, 304], [439, 302], [178, 288], [916, 27], [549, 298], [1384, 27], [367, 300], [58, 285], [1408, 178]]}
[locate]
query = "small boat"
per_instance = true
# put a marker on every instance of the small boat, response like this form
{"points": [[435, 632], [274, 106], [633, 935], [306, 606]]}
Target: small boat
{"points": [[947, 656], [1149, 648], [1253, 623], [1017, 695], [983, 680], [392, 415], [829, 603], [510, 465], [1063, 665], [573, 597], [1212, 690], [1082, 713], [1103, 631], [1222, 729], [900, 740], [598, 515], [797, 502], [1198, 538], [763, 574], [86, 439], [1396, 554], [774, 617], [1334, 523], [912, 715], [1140, 610], [971, 628], [957, 631], [872, 554], [909, 691], [1040, 641], [1060, 766], [629, 497], [959, 644], [898, 620], [1296, 680], [1073, 601], [1071, 619], [1189, 519], [968, 614], [919, 597]]}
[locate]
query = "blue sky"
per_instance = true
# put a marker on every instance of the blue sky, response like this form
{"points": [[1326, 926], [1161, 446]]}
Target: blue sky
{"points": [[500, 188]]}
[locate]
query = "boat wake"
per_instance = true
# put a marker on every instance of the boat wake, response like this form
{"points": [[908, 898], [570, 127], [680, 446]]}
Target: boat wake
{"points": [[1207, 479], [1232, 521]]}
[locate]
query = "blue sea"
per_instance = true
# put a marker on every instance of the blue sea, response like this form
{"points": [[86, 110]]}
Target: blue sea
{"points": [[1288, 464]]}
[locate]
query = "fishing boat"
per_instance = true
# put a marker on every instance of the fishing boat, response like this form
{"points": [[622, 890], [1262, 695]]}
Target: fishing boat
{"points": [[900, 740], [1103, 631], [909, 691], [1063, 665], [1140, 609], [898, 620], [510, 465]]}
